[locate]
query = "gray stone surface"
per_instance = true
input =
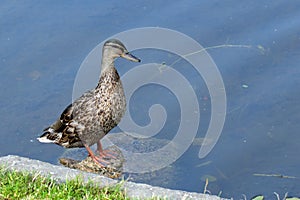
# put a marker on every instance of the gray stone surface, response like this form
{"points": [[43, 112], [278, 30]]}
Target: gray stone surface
{"points": [[61, 174]]}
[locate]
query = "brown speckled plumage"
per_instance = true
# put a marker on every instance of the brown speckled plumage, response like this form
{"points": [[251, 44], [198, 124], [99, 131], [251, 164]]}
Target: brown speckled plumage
{"points": [[89, 118]]}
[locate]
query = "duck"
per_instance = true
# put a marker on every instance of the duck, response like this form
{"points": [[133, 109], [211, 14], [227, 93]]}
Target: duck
{"points": [[89, 118]]}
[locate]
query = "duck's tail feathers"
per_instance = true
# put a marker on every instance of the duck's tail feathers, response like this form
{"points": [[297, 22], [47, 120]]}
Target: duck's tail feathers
{"points": [[50, 136]]}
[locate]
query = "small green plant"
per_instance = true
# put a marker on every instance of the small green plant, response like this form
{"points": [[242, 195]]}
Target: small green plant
{"points": [[22, 185]]}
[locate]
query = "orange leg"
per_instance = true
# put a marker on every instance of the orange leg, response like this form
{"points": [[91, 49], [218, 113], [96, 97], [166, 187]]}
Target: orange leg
{"points": [[105, 153], [97, 159]]}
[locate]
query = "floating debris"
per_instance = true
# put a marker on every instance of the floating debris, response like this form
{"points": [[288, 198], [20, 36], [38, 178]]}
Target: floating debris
{"points": [[204, 164], [261, 49], [34, 75], [245, 86], [162, 67]]}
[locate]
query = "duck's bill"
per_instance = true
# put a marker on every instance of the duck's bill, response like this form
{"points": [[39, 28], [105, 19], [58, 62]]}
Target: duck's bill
{"points": [[130, 57]]}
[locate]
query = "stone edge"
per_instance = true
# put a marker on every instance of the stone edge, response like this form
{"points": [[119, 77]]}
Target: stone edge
{"points": [[61, 174]]}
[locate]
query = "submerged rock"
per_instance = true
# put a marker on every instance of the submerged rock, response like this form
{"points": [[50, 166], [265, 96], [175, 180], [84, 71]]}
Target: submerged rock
{"points": [[113, 168]]}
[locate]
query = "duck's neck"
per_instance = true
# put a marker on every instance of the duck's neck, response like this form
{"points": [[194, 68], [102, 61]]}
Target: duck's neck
{"points": [[109, 74], [107, 63]]}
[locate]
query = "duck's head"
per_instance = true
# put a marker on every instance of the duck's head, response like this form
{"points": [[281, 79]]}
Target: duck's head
{"points": [[114, 48]]}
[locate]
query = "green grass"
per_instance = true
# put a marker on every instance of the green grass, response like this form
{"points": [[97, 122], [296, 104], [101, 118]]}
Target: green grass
{"points": [[22, 185]]}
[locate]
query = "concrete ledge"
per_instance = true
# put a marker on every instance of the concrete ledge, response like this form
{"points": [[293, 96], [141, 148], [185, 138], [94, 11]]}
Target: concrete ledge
{"points": [[61, 174]]}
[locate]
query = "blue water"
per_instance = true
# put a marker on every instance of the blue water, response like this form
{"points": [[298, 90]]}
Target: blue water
{"points": [[44, 43]]}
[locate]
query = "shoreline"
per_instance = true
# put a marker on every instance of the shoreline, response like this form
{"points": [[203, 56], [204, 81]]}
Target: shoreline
{"points": [[61, 174]]}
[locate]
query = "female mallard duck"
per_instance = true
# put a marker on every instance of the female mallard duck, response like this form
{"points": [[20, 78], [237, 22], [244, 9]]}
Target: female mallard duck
{"points": [[89, 118]]}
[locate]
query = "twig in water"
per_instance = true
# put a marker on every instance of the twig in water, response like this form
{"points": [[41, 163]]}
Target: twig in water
{"points": [[277, 195], [205, 186], [215, 47], [275, 175]]}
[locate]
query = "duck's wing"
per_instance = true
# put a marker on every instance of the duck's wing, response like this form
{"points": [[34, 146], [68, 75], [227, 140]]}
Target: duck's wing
{"points": [[63, 131]]}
